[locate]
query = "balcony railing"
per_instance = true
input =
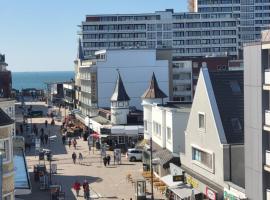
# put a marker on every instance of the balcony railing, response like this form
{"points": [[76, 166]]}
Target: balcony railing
{"points": [[267, 158], [267, 77], [267, 118]]}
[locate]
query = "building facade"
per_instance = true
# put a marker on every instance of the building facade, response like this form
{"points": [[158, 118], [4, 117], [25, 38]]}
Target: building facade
{"points": [[6, 149], [5, 79], [95, 78], [251, 16], [214, 152], [187, 34], [257, 118]]}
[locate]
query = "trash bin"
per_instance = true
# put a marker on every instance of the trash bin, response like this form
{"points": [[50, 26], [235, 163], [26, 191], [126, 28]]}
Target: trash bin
{"points": [[49, 155], [41, 155]]}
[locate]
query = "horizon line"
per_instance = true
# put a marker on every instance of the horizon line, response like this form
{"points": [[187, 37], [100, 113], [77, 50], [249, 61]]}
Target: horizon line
{"points": [[42, 71]]}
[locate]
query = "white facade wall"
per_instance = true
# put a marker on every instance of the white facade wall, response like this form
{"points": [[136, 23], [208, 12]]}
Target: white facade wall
{"points": [[210, 139], [159, 118], [136, 68]]}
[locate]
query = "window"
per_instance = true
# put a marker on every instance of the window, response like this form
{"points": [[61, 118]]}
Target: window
{"points": [[121, 104], [235, 87], [169, 134], [157, 129], [201, 121], [202, 157], [236, 125], [4, 149], [121, 139], [145, 125]]}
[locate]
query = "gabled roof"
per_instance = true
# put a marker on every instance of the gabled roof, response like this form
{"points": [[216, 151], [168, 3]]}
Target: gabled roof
{"points": [[153, 91], [119, 93], [229, 93], [5, 119], [80, 50]]}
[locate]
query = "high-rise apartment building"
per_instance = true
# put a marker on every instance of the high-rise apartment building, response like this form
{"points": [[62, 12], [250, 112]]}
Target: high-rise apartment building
{"points": [[251, 16], [257, 118], [187, 34]]}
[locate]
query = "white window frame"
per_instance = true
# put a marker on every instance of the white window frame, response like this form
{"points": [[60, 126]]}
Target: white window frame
{"points": [[201, 165], [8, 153], [169, 140], [202, 129]]}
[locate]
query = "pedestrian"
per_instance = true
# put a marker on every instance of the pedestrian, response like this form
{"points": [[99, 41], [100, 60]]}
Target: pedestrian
{"points": [[74, 143], [42, 138], [80, 158], [46, 123], [46, 136], [52, 122], [105, 161], [64, 139], [108, 159], [42, 130], [86, 189], [74, 157], [21, 128], [69, 142], [77, 187]]}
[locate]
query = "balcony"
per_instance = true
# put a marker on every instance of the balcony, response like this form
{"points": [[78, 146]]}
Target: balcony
{"points": [[266, 85], [266, 126], [267, 161]]}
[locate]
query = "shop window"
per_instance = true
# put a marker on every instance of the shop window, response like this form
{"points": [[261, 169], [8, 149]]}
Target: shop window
{"points": [[121, 140]]}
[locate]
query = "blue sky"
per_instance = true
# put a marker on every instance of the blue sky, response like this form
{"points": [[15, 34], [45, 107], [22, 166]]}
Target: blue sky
{"points": [[41, 35]]}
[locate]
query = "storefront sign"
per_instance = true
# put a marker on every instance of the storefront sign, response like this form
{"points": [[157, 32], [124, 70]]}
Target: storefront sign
{"points": [[93, 87], [178, 178], [228, 195], [194, 183], [210, 194]]}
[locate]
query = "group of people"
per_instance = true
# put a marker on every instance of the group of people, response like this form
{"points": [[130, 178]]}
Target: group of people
{"points": [[85, 186], [74, 157]]}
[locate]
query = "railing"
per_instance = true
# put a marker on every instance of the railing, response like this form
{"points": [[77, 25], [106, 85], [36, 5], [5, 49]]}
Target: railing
{"points": [[267, 117], [267, 158], [267, 77]]}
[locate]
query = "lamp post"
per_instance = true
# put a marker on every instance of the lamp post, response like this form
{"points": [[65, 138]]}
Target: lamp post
{"points": [[151, 168]]}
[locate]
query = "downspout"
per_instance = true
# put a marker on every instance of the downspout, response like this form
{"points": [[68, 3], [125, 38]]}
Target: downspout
{"points": [[230, 158]]}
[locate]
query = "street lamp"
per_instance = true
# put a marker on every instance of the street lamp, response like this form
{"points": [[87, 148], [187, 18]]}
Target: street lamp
{"points": [[151, 168]]}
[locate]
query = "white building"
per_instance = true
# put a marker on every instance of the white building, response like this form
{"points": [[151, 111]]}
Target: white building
{"points": [[214, 152], [96, 77], [8, 106], [188, 34], [165, 123]]}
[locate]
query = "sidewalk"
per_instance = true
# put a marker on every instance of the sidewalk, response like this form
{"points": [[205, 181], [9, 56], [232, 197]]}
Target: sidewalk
{"points": [[105, 182]]}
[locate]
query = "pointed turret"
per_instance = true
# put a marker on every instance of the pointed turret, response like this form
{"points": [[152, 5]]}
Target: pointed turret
{"points": [[153, 91], [119, 93], [80, 50], [119, 103]]}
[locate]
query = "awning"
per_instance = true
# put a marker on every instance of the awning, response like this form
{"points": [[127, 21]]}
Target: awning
{"points": [[184, 191], [22, 180], [126, 130], [168, 180]]}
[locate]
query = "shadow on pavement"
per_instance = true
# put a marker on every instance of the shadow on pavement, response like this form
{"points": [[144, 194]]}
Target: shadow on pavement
{"points": [[65, 181]]}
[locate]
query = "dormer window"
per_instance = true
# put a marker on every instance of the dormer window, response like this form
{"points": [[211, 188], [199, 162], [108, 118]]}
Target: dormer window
{"points": [[121, 104], [236, 125]]}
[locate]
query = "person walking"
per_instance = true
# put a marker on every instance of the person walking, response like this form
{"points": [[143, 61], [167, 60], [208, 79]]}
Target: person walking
{"points": [[74, 157], [46, 136], [46, 123], [77, 187], [42, 130], [86, 189], [52, 122], [42, 138], [105, 161], [108, 159], [64, 139], [80, 158], [69, 142], [74, 143]]}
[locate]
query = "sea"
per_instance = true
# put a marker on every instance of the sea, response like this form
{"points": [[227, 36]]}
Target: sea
{"points": [[21, 80]]}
